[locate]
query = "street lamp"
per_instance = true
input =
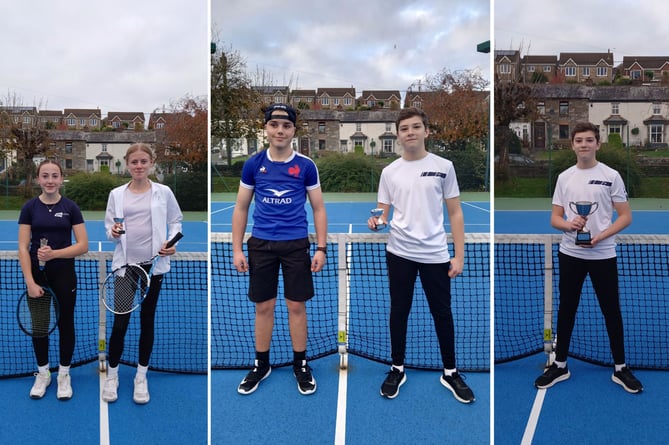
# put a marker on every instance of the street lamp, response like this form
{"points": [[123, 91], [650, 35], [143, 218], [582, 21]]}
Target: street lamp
{"points": [[372, 144], [118, 167]]}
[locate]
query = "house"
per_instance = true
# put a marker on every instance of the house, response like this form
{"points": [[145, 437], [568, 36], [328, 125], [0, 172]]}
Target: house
{"points": [[539, 69], [303, 99], [82, 119], [388, 99], [335, 98], [507, 66], [50, 119], [121, 120], [273, 95], [157, 121], [646, 68], [589, 68], [20, 116]]}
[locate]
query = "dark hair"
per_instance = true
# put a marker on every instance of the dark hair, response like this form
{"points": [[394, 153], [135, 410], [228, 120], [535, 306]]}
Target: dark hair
{"points": [[407, 113], [581, 127], [49, 161]]}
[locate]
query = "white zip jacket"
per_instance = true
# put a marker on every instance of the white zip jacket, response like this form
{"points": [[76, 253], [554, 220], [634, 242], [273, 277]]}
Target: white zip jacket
{"points": [[166, 220]]}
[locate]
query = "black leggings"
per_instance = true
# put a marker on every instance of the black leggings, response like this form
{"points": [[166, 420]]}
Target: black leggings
{"points": [[147, 321], [437, 286], [604, 277], [62, 279]]}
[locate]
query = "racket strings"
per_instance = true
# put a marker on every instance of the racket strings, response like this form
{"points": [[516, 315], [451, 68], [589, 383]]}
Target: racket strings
{"points": [[38, 316], [125, 289]]}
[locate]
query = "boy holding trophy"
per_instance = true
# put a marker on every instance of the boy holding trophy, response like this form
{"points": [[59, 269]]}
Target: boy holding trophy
{"points": [[588, 193]]}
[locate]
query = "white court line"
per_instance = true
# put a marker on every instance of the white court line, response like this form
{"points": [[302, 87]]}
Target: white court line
{"points": [[531, 426], [340, 428], [104, 415], [476, 207], [223, 209]]}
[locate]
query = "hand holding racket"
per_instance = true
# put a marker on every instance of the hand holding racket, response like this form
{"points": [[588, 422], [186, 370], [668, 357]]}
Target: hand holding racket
{"points": [[38, 316], [125, 288]]}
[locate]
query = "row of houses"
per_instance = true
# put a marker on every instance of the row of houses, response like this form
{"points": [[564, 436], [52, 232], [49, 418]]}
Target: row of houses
{"points": [[578, 67], [638, 114], [81, 119]]}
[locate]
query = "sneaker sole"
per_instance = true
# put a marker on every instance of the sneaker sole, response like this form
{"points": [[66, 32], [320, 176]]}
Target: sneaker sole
{"points": [[457, 397], [252, 390], [562, 378], [625, 387], [397, 393], [306, 393], [141, 402], [64, 398]]}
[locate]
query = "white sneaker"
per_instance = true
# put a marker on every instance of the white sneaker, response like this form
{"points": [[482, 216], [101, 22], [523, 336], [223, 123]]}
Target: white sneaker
{"points": [[141, 393], [64, 387], [42, 381], [110, 389]]}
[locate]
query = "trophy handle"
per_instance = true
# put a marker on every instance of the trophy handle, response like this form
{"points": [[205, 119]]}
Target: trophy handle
{"points": [[594, 207], [572, 206]]}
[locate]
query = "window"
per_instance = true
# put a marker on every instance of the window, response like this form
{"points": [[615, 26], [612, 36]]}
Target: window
{"points": [[343, 145], [417, 104], [358, 144], [615, 129], [68, 147], [26, 119], [586, 71], [615, 108], [547, 69], [389, 127], [160, 125], [104, 162], [321, 127], [71, 121], [541, 107], [93, 122], [657, 109], [116, 124], [82, 122], [570, 71], [370, 103], [325, 100], [635, 74], [104, 148], [602, 71], [530, 68], [321, 144], [68, 164], [89, 165], [564, 131], [505, 68], [348, 101], [336, 101], [358, 126], [388, 145], [655, 131], [564, 108]]}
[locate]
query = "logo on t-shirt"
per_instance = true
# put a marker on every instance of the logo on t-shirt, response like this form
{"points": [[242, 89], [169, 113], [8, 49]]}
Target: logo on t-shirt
{"points": [[438, 174], [600, 182], [278, 197], [294, 171]]}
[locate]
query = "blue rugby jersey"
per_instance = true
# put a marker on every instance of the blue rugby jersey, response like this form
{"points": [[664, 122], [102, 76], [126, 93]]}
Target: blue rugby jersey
{"points": [[280, 190]]}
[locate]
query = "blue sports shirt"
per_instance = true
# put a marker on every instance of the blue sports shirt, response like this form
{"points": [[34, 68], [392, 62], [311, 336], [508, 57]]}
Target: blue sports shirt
{"points": [[280, 190]]}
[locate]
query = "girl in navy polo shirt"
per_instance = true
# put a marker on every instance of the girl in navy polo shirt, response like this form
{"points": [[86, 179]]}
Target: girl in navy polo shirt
{"points": [[54, 218]]}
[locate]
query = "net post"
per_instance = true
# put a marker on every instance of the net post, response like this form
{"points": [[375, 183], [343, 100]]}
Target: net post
{"points": [[342, 298], [548, 301], [102, 314]]}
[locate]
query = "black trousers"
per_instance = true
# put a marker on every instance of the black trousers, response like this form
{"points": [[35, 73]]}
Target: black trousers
{"points": [[604, 277]]}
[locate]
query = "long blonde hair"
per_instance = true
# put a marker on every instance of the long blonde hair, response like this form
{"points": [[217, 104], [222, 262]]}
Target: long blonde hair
{"points": [[139, 146]]}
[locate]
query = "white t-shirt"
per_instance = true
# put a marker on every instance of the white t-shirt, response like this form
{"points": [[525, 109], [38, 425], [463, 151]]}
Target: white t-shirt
{"points": [[600, 184], [416, 190]]}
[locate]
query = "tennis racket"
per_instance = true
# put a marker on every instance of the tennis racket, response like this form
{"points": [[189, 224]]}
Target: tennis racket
{"points": [[38, 316], [125, 288]]}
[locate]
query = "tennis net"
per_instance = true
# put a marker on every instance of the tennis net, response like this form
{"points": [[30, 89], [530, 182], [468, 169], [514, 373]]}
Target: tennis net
{"points": [[351, 308], [527, 299], [181, 318]]}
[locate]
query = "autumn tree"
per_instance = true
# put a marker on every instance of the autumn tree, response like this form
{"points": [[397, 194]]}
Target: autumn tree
{"points": [[513, 101], [458, 104], [234, 103], [184, 137]]}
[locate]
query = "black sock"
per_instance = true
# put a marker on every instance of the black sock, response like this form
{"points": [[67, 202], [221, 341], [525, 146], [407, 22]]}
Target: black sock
{"points": [[263, 358], [298, 358]]}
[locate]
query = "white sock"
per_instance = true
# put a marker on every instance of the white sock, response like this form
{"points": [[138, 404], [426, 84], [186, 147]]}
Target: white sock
{"points": [[400, 368], [449, 372], [43, 369], [112, 371], [560, 365], [141, 371], [63, 370], [619, 367]]}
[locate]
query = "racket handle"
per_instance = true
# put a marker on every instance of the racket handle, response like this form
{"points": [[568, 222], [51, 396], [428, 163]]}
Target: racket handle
{"points": [[174, 240], [43, 243]]}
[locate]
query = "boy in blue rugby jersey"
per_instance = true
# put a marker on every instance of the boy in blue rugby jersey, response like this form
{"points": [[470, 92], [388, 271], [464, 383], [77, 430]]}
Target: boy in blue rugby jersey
{"points": [[281, 180]]}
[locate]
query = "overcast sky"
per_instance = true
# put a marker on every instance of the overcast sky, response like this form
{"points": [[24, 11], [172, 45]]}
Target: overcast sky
{"points": [[627, 29], [367, 44], [124, 55]]}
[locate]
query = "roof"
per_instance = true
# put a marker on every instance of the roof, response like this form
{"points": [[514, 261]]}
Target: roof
{"points": [[586, 58], [618, 93]]}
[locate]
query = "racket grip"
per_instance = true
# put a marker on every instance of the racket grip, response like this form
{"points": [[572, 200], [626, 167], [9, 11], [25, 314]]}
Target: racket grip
{"points": [[174, 240], [43, 243]]}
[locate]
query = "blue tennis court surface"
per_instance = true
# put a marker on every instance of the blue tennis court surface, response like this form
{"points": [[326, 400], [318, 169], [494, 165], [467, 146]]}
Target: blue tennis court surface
{"points": [[351, 217]]}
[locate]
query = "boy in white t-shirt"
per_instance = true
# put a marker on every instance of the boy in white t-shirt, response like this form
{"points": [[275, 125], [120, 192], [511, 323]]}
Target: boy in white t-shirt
{"points": [[416, 186], [589, 181]]}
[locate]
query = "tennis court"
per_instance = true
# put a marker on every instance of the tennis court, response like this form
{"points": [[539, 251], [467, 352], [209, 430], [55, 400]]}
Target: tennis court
{"points": [[347, 407], [589, 407], [178, 376]]}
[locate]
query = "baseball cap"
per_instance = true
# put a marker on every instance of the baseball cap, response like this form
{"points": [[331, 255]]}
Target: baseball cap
{"points": [[292, 115]]}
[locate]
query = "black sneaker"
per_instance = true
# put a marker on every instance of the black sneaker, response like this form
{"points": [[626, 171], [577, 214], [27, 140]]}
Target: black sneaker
{"points": [[253, 378], [626, 379], [306, 383], [551, 376], [391, 385], [458, 387]]}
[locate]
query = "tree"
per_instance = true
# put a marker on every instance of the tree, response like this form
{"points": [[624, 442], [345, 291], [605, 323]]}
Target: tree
{"points": [[513, 101], [234, 104], [184, 137], [458, 104]]}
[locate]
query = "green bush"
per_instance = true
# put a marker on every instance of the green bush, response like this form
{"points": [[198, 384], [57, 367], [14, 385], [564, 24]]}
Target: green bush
{"points": [[348, 173], [470, 168], [91, 190], [190, 189]]}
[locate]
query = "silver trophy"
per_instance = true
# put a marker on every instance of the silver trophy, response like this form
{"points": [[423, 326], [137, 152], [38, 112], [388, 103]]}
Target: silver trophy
{"points": [[120, 221], [380, 225], [584, 209], [43, 243]]}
